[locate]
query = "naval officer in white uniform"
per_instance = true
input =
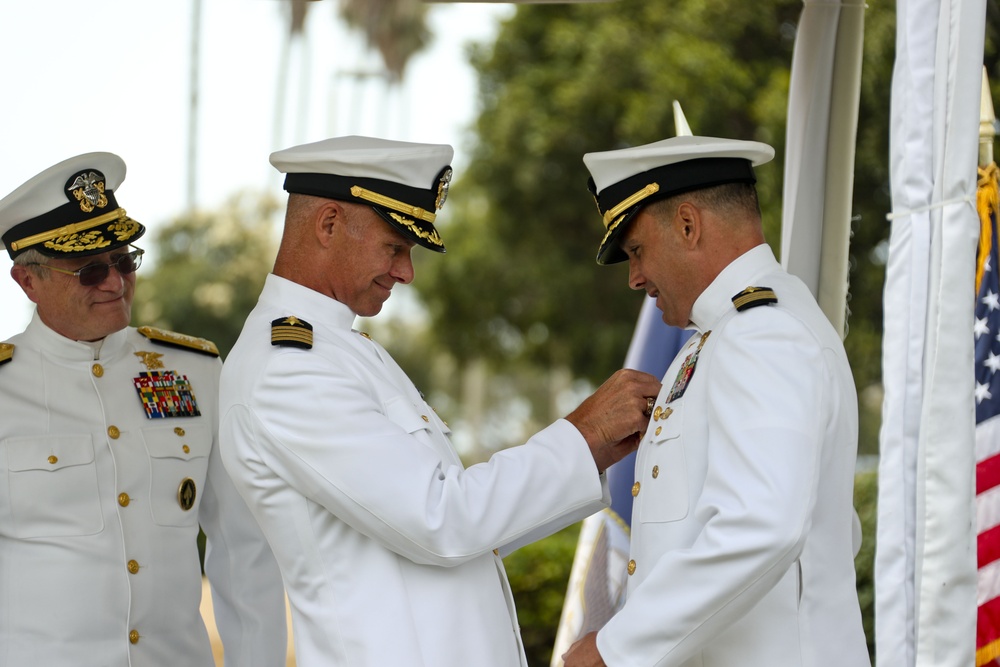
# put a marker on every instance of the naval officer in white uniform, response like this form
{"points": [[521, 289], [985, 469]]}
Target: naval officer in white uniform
{"points": [[390, 548], [743, 529], [108, 457]]}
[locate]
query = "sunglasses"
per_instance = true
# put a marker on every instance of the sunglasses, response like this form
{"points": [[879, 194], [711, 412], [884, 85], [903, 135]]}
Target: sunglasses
{"points": [[95, 274]]}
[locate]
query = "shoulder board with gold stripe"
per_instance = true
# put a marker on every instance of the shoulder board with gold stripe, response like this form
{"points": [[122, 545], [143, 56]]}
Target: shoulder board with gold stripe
{"points": [[6, 353], [752, 297], [184, 341], [290, 331]]}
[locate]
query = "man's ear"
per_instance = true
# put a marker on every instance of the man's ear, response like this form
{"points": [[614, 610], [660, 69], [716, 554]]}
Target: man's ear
{"points": [[327, 218], [688, 223], [26, 279]]}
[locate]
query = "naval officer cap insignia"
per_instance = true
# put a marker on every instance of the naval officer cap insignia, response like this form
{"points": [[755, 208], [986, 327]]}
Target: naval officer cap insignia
{"points": [[752, 297], [292, 332], [623, 181], [69, 210], [406, 183]]}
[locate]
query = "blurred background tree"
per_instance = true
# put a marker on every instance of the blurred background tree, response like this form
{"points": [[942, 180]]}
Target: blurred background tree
{"points": [[210, 269], [520, 284]]}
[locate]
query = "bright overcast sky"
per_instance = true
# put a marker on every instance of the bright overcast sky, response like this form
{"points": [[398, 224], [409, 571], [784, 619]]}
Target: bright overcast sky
{"points": [[113, 75]]}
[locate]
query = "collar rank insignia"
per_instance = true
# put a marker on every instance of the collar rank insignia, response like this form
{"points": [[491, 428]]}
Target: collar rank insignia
{"points": [[686, 372], [6, 353], [292, 332], [183, 341], [166, 394], [752, 297]]}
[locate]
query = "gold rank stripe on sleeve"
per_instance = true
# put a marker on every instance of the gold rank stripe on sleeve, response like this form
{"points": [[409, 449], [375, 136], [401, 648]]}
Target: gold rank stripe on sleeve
{"points": [[6, 353], [180, 340], [290, 331], [752, 297]]}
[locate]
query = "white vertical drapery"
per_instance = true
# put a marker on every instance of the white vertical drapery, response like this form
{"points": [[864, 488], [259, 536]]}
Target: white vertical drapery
{"points": [[925, 564], [820, 142]]}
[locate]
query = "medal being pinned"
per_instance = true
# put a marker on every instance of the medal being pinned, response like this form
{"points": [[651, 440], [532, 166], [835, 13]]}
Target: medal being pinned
{"points": [[686, 372]]}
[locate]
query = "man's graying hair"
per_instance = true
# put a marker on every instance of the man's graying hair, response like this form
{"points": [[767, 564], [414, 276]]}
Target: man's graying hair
{"points": [[728, 200], [34, 261]]}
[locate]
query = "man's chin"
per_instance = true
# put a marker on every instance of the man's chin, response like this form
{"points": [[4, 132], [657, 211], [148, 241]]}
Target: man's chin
{"points": [[371, 312], [113, 320]]}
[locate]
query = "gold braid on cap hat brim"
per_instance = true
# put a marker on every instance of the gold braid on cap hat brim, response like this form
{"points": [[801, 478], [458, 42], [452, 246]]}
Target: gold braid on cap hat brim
{"points": [[611, 229], [431, 236], [394, 204], [627, 203], [76, 228]]}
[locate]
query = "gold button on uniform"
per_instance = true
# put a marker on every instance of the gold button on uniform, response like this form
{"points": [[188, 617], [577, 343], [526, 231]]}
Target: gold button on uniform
{"points": [[123, 499], [425, 418], [635, 489], [133, 566], [656, 413], [187, 450], [656, 471], [631, 568], [97, 370], [179, 431], [53, 459], [666, 413], [113, 432], [133, 636], [658, 430]]}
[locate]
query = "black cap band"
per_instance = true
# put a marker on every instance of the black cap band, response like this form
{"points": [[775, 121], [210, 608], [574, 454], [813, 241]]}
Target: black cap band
{"points": [[619, 203], [331, 186], [675, 179]]}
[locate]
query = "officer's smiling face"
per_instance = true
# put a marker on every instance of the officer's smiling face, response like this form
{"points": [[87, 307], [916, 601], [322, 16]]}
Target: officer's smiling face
{"points": [[76, 311], [371, 257]]}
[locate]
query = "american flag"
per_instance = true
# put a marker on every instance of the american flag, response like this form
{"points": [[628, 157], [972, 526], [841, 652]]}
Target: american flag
{"points": [[987, 345]]}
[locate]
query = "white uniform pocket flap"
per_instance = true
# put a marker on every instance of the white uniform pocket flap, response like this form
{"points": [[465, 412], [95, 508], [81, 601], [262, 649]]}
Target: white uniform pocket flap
{"points": [[664, 474], [403, 413], [178, 442], [666, 428], [52, 487], [49, 452], [178, 462]]}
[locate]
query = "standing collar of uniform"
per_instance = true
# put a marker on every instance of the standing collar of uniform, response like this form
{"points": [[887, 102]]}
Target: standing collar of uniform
{"points": [[305, 303], [743, 272], [51, 343]]}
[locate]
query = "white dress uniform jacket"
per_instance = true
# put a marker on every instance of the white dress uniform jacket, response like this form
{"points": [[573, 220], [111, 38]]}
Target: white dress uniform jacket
{"points": [[385, 541], [98, 557], [743, 526]]}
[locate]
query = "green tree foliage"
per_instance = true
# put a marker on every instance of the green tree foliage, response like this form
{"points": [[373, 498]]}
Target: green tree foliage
{"points": [[209, 269], [520, 278], [519, 282], [538, 575], [397, 28], [866, 503]]}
